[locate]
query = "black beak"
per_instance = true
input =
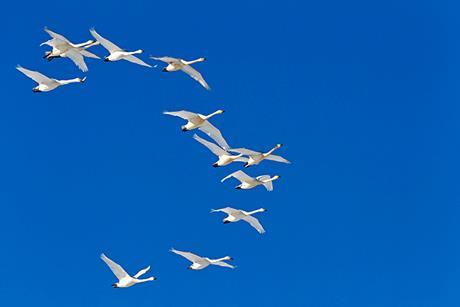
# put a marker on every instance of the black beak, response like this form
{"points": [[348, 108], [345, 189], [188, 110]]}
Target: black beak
{"points": [[226, 222], [106, 60], [184, 129], [246, 165], [164, 70], [114, 286], [35, 90], [238, 188], [215, 165]]}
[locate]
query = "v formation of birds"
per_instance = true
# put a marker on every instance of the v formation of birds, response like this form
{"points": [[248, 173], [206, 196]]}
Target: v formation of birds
{"points": [[63, 48]]}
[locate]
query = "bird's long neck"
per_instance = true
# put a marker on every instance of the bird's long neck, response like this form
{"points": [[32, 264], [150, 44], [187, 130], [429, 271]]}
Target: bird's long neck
{"points": [[272, 150], [221, 259], [89, 42], [75, 80], [212, 114], [139, 51], [256, 211], [145, 279], [93, 43], [194, 61], [270, 179]]}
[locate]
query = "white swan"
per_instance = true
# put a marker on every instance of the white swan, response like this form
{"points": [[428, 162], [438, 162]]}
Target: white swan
{"points": [[124, 279], [199, 263], [200, 121], [235, 215], [248, 182], [175, 64], [256, 157], [63, 48], [46, 84], [225, 157], [116, 53]]}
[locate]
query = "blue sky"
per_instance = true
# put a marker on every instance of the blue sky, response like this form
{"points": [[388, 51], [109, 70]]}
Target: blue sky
{"points": [[362, 95]]}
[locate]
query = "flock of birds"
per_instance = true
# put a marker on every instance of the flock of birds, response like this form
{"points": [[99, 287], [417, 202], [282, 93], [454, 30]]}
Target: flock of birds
{"points": [[63, 48]]}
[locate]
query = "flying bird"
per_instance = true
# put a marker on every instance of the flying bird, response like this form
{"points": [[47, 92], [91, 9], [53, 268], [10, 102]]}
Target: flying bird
{"points": [[200, 121], [63, 48], [199, 263], [46, 84], [235, 215], [225, 157], [124, 279], [175, 64], [116, 53], [248, 182], [256, 157]]}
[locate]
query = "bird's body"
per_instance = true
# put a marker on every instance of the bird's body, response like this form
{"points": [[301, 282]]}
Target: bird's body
{"points": [[199, 263], [200, 121], [63, 48], [124, 279], [235, 215], [248, 182], [255, 157], [224, 157], [116, 53], [175, 64], [46, 84]]}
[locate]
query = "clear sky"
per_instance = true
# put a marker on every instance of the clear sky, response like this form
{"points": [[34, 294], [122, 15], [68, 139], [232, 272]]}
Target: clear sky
{"points": [[362, 94]]}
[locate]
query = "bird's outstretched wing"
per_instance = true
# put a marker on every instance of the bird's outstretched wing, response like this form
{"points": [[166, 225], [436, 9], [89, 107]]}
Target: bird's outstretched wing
{"points": [[215, 134], [215, 149], [268, 185], [35, 75], [135, 60], [111, 47], [56, 36], [245, 151], [166, 59], [187, 255], [117, 270], [228, 210], [142, 272], [254, 223], [240, 175], [277, 159], [88, 54], [77, 58], [182, 114], [192, 72], [224, 264]]}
